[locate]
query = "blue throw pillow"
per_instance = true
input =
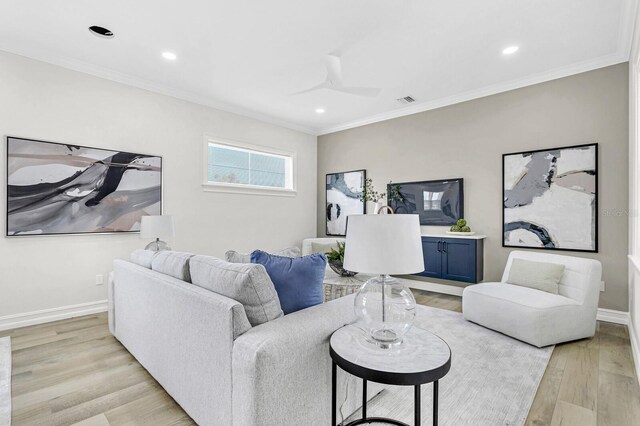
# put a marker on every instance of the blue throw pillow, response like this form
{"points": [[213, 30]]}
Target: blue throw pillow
{"points": [[298, 280]]}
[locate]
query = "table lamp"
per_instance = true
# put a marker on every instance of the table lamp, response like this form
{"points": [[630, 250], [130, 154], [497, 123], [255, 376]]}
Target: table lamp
{"points": [[382, 245], [156, 227]]}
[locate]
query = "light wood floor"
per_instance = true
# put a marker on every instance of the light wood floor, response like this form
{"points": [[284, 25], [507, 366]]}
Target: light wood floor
{"points": [[75, 372]]}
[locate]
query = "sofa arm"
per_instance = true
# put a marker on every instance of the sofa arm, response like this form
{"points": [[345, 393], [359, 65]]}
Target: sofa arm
{"points": [[282, 369]]}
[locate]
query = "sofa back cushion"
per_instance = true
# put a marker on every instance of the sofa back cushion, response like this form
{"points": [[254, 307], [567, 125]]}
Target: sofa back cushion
{"points": [[172, 263], [298, 280], [142, 257], [246, 283], [235, 257]]}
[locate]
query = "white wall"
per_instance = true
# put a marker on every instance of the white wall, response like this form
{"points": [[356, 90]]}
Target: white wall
{"points": [[634, 195], [47, 102]]}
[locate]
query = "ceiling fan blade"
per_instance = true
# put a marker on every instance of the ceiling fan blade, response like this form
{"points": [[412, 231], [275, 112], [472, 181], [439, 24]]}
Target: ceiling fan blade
{"points": [[334, 69], [322, 85], [370, 92]]}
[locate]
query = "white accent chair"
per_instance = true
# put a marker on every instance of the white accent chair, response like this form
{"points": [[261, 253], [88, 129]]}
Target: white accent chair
{"points": [[537, 317], [306, 243]]}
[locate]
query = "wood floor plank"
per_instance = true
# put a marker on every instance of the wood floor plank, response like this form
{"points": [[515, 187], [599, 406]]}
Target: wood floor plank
{"points": [[566, 414], [544, 404], [99, 420], [579, 384], [615, 355], [618, 400], [155, 408]]}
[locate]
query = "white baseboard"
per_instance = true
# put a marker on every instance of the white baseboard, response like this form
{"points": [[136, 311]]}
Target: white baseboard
{"points": [[54, 314], [616, 317], [635, 349], [435, 287]]}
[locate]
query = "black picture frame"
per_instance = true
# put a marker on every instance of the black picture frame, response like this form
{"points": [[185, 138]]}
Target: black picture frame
{"points": [[443, 220], [73, 145], [540, 229], [327, 208]]}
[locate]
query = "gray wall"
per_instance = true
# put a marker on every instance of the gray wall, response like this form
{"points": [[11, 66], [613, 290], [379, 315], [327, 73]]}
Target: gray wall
{"points": [[467, 140], [47, 102]]}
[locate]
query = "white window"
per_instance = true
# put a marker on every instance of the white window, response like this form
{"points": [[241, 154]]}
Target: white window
{"points": [[239, 167]]}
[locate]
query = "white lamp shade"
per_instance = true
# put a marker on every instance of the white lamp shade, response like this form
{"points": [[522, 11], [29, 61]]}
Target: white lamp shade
{"points": [[384, 244], [156, 227]]}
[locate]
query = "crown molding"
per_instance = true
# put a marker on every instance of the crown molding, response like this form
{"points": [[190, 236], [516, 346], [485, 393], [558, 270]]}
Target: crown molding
{"points": [[494, 89], [118, 77]]}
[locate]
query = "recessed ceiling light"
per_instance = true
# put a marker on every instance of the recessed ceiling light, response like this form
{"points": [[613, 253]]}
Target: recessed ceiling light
{"points": [[509, 50], [101, 32], [320, 110], [169, 56]]}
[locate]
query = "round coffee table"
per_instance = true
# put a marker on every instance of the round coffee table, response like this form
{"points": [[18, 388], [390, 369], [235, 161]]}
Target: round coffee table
{"points": [[421, 358]]}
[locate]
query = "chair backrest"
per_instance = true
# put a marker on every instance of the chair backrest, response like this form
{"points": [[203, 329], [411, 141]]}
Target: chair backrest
{"points": [[581, 279], [306, 243]]}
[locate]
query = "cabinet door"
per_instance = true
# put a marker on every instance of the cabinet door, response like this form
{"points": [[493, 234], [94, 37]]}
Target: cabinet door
{"points": [[459, 259], [432, 257]]}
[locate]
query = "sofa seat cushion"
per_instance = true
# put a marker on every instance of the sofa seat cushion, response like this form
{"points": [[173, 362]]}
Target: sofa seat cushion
{"points": [[173, 263], [524, 313], [246, 283], [298, 280]]}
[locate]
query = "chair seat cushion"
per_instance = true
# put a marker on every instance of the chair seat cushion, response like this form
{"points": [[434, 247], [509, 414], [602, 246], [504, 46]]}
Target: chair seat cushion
{"points": [[524, 296], [533, 316]]}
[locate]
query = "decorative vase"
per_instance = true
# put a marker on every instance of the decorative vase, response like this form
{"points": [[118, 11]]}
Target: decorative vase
{"points": [[336, 266], [376, 207], [387, 308]]}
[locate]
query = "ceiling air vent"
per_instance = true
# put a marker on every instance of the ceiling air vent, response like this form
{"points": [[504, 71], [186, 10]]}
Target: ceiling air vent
{"points": [[406, 100]]}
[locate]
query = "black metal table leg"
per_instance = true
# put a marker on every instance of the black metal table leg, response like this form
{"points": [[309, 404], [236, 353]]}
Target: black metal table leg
{"points": [[364, 398], [417, 420], [435, 403], [333, 393]]}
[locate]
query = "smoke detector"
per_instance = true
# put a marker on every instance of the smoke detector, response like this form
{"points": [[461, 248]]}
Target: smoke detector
{"points": [[406, 100]]}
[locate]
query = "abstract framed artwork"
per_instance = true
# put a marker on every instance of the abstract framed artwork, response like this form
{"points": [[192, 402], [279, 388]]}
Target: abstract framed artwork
{"points": [[343, 192], [550, 198], [55, 188]]}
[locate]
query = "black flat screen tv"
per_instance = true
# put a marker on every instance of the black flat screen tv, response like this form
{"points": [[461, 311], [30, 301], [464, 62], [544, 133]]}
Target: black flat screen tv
{"points": [[436, 202]]}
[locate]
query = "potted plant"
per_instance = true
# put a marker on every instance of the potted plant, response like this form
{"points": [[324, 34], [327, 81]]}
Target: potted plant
{"points": [[336, 258], [370, 194]]}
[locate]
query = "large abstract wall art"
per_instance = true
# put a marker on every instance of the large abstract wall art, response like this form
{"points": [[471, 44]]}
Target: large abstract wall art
{"points": [[343, 198], [550, 199], [55, 188]]}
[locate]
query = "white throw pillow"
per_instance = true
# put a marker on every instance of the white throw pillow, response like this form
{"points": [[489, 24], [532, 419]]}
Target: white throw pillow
{"points": [[324, 247], [538, 275]]}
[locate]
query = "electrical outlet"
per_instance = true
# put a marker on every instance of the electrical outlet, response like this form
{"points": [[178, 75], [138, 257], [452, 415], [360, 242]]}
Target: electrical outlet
{"points": [[99, 279], [601, 285]]}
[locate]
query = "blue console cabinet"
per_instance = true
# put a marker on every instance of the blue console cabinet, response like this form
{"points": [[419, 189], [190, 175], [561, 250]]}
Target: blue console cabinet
{"points": [[456, 259]]}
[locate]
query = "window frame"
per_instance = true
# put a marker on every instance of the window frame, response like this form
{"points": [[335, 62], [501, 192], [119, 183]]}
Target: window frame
{"points": [[240, 188]]}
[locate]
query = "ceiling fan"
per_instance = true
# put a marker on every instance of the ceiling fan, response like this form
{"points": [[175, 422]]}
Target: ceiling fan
{"points": [[333, 81]]}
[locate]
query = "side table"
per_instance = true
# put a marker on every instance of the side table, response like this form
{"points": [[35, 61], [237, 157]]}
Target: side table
{"points": [[336, 286], [421, 358]]}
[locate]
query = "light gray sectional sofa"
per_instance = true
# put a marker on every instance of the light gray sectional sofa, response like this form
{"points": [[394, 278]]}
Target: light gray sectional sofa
{"points": [[203, 349]]}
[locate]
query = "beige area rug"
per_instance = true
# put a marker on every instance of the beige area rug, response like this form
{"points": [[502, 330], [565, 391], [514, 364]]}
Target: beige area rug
{"points": [[493, 378], [5, 381]]}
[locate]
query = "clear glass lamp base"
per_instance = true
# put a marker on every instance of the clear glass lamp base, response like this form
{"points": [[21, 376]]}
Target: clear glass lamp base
{"points": [[157, 245], [386, 308]]}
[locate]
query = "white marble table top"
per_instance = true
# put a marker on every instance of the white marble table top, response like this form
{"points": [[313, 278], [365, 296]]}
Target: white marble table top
{"points": [[419, 352]]}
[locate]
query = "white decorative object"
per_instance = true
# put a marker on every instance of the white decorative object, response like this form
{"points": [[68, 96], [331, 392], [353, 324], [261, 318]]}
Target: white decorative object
{"points": [[157, 227], [461, 233], [535, 316], [381, 245]]}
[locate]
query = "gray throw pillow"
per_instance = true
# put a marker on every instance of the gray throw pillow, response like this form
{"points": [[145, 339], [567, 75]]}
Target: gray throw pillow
{"points": [[173, 263], [143, 257], [538, 275], [235, 257], [247, 283]]}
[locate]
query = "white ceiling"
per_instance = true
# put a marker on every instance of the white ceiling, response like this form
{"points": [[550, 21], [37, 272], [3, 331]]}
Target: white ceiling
{"points": [[250, 56]]}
